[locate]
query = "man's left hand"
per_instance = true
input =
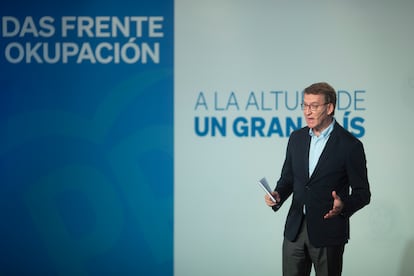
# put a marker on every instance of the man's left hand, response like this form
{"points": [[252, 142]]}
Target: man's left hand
{"points": [[338, 205]]}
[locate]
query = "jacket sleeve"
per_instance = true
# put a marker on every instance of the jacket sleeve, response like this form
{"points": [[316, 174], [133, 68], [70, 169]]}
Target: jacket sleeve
{"points": [[285, 183], [358, 180]]}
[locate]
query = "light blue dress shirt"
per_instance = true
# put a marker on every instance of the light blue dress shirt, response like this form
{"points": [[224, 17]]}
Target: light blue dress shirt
{"points": [[317, 145]]}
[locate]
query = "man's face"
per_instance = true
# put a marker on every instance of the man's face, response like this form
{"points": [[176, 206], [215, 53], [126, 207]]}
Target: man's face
{"points": [[316, 111]]}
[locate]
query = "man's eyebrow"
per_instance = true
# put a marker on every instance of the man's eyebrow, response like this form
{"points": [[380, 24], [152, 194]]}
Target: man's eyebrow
{"points": [[311, 102]]}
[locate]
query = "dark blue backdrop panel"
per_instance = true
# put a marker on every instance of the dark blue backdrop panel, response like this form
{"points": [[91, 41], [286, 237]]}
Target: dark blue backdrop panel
{"points": [[86, 152]]}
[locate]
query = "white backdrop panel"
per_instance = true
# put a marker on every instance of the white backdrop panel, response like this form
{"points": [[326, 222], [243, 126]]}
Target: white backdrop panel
{"points": [[222, 226]]}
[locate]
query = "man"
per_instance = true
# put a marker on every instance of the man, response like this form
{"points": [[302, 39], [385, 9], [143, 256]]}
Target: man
{"points": [[325, 171]]}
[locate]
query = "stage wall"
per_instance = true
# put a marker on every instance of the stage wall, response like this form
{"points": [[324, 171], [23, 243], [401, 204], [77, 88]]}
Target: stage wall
{"points": [[134, 132]]}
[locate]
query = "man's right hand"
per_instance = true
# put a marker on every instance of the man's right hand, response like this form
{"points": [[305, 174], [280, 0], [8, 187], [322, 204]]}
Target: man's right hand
{"points": [[270, 202]]}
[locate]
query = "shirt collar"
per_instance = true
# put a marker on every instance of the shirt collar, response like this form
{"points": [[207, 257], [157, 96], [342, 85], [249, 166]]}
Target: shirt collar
{"points": [[326, 132]]}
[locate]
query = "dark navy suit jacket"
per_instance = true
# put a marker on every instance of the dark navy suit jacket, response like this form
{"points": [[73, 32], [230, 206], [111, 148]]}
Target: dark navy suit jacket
{"points": [[341, 168]]}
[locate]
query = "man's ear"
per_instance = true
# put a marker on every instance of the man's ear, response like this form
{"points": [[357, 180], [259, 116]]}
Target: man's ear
{"points": [[330, 108]]}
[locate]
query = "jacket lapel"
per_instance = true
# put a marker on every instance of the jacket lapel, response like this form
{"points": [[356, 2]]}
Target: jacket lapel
{"points": [[326, 152], [306, 155]]}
